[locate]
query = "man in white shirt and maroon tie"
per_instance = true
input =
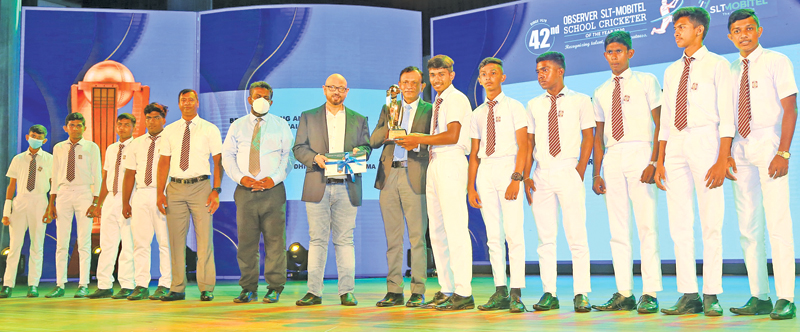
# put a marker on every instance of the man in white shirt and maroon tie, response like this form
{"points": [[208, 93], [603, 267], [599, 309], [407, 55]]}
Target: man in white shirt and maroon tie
{"points": [[630, 101], [766, 104], [113, 226], [141, 165], [499, 132], [185, 151], [563, 134], [695, 138]]}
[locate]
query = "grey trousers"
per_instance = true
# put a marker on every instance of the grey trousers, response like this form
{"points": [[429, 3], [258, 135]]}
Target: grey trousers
{"points": [[398, 200], [257, 213], [183, 201]]}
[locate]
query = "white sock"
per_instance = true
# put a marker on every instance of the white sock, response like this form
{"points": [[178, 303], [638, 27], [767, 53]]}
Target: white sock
{"points": [[626, 293], [763, 297]]}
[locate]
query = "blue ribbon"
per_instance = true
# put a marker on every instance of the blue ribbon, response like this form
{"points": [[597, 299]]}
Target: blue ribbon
{"points": [[344, 164]]}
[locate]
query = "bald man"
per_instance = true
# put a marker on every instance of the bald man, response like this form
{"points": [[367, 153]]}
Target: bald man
{"points": [[331, 201]]}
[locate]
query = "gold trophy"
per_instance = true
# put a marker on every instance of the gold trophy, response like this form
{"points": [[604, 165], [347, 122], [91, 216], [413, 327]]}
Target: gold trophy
{"points": [[395, 113]]}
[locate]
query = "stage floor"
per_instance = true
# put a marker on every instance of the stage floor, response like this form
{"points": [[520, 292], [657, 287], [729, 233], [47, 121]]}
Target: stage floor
{"points": [[68, 314]]}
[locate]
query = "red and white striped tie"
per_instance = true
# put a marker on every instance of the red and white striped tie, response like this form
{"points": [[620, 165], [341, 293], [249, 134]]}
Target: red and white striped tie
{"points": [[683, 95], [185, 146], [32, 173], [115, 187], [490, 135], [435, 126], [552, 126], [617, 127], [148, 171], [71, 162], [744, 100]]}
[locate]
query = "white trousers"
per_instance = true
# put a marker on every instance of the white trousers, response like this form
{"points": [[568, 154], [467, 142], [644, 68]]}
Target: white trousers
{"points": [[446, 193], [113, 229], [146, 221], [503, 219], [561, 185], [26, 214], [689, 156], [73, 202], [759, 197], [623, 164]]}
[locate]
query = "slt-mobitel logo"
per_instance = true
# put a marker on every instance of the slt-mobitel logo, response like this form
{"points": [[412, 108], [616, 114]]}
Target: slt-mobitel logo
{"points": [[541, 36]]}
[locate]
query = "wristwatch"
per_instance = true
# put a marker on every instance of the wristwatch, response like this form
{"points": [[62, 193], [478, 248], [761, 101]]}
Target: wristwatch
{"points": [[784, 154], [653, 163], [218, 190], [517, 176]]}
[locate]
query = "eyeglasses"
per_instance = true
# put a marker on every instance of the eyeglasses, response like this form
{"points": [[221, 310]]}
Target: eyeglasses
{"points": [[333, 88]]}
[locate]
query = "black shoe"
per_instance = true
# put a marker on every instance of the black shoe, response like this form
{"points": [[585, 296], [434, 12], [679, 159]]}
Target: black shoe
{"points": [[581, 303], [516, 305], [309, 299], [160, 291], [457, 302], [6, 292], [390, 300], [348, 299], [273, 295], [647, 305], [206, 296], [617, 302], [122, 294], [783, 310], [754, 306], [33, 291], [546, 302], [173, 296], [438, 299], [101, 294], [687, 304], [416, 300], [711, 306], [82, 292], [139, 293], [245, 297], [498, 301]]}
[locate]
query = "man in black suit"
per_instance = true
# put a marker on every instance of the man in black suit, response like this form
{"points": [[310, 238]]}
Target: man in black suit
{"points": [[401, 180], [331, 201]]}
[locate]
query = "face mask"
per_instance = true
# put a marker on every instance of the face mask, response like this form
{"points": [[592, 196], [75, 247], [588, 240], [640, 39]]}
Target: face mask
{"points": [[35, 143], [261, 106]]}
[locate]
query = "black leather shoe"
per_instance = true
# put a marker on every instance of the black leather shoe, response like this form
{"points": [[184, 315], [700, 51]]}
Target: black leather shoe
{"points": [[33, 291], [581, 303], [139, 293], [546, 302], [206, 296], [498, 301], [101, 294], [348, 299], [309, 299], [438, 299], [617, 302], [783, 310], [160, 291], [416, 300], [457, 302], [516, 305], [711, 306], [6, 292], [687, 304], [390, 300], [245, 297], [173, 296], [754, 306], [647, 305], [82, 292], [272, 296], [122, 294]]}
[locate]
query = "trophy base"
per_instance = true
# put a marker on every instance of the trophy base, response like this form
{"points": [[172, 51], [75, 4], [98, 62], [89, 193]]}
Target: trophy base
{"points": [[395, 133]]}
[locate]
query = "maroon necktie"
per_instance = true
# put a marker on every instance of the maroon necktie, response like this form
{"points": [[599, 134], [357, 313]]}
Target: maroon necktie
{"points": [[148, 172], [744, 101], [680, 104], [552, 126], [71, 162], [435, 127], [32, 173], [617, 128], [116, 170], [185, 146], [490, 134]]}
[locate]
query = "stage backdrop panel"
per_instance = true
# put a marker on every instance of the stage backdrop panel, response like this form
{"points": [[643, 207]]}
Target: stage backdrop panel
{"points": [[518, 32]]}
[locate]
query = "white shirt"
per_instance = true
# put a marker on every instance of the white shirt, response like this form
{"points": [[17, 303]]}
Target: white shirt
{"points": [[574, 115], [407, 123], [110, 165], [20, 169], [275, 151], [336, 128], [771, 77], [509, 116], [88, 170], [205, 140], [136, 159], [640, 94], [710, 95], [455, 107]]}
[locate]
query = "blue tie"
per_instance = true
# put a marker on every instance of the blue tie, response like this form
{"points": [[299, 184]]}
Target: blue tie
{"points": [[399, 152]]}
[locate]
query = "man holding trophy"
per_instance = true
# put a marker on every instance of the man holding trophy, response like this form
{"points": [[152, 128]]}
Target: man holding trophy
{"points": [[401, 180]]}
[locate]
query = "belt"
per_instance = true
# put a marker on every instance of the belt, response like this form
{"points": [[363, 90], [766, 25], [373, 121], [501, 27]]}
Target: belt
{"points": [[190, 180], [400, 164], [334, 181]]}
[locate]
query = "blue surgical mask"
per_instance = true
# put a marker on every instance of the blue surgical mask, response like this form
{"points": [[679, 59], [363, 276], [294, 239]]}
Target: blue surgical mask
{"points": [[35, 143]]}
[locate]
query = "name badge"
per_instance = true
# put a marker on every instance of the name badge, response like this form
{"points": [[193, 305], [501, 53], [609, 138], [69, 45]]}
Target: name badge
{"points": [[694, 86], [560, 114], [80, 156], [497, 119], [755, 84], [124, 156], [40, 169], [627, 98]]}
